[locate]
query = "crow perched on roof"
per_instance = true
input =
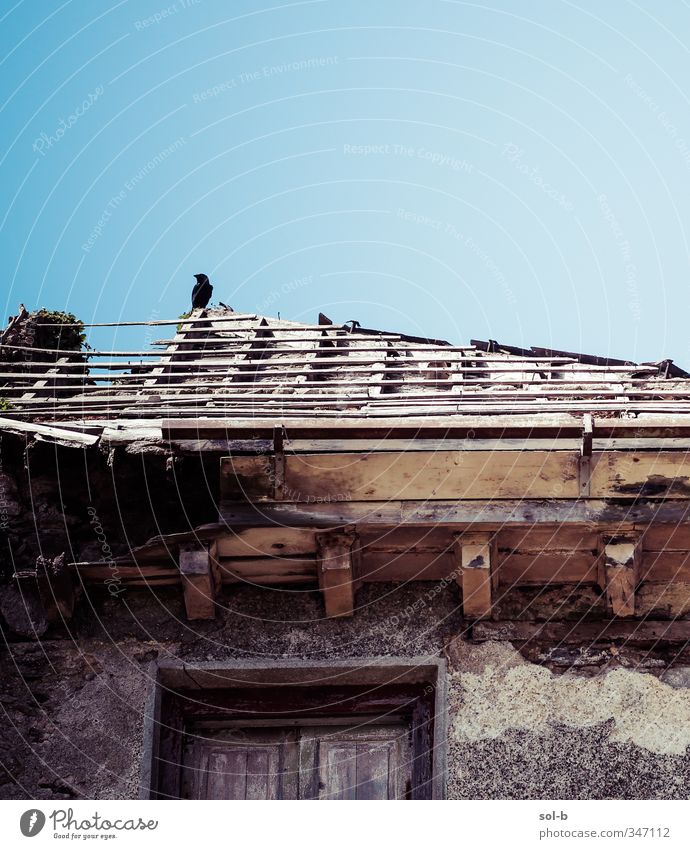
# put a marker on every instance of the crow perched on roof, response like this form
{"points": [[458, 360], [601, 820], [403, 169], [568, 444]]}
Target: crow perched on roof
{"points": [[202, 291]]}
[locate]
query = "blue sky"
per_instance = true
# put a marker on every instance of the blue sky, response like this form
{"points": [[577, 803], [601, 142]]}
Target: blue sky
{"points": [[507, 169]]}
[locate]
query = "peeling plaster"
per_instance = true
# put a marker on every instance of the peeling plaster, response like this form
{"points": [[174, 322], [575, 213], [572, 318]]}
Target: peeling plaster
{"points": [[498, 691]]}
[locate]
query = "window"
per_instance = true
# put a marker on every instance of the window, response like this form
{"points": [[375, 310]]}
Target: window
{"points": [[371, 729]]}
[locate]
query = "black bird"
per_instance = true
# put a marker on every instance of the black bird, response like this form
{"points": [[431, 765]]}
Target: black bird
{"points": [[353, 325], [202, 291]]}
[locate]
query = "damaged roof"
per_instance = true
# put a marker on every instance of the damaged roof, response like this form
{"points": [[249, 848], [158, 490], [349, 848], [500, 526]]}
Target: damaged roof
{"points": [[221, 364]]}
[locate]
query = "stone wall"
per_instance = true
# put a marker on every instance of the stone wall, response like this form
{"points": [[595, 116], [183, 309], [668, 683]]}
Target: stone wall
{"points": [[74, 703]]}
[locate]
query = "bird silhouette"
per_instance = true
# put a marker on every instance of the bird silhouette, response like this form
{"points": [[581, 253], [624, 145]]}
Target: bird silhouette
{"points": [[202, 291]]}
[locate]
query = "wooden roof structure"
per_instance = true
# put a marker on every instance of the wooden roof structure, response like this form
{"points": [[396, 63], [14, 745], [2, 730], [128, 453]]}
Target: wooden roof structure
{"points": [[349, 454], [224, 364]]}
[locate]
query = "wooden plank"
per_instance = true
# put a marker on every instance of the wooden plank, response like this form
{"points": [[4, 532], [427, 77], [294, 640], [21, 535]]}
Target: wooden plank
{"points": [[621, 566], [476, 562], [200, 581], [247, 477], [665, 566], [336, 571], [456, 426], [631, 631], [401, 538], [381, 566], [269, 570], [480, 514], [272, 542], [408, 475], [547, 568], [58, 434], [557, 538], [662, 537], [634, 474]]}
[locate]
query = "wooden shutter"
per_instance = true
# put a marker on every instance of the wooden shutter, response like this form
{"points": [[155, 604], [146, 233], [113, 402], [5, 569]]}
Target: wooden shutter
{"points": [[239, 764], [356, 763]]}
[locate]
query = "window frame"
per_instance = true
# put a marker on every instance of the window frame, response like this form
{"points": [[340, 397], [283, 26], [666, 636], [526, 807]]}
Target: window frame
{"points": [[413, 689]]}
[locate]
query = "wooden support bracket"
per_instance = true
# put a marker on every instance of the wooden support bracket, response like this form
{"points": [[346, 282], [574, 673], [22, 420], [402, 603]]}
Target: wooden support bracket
{"points": [[477, 574], [278, 462], [337, 569], [585, 460], [619, 572], [200, 574]]}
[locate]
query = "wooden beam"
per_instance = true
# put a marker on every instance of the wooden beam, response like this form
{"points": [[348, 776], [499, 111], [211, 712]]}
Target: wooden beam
{"points": [[461, 474], [336, 571], [200, 580], [620, 566], [479, 514], [476, 558], [407, 475]]}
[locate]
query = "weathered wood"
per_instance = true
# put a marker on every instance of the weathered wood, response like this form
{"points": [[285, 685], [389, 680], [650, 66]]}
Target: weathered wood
{"points": [[200, 581], [665, 565], [547, 568], [623, 474], [480, 514], [477, 575], [621, 566], [405, 565], [56, 433], [667, 537], [559, 538], [407, 475], [452, 426], [271, 542], [269, 570], [336, 569]]}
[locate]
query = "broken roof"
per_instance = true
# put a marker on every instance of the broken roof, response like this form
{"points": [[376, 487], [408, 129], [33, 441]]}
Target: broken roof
{"points": [[223, 365]]}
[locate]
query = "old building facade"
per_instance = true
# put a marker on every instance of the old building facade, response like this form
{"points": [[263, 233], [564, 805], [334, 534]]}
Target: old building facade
{"points": [[266, 559]]}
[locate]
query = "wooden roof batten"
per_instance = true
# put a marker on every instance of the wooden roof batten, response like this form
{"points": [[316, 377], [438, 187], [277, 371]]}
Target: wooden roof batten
{"points": [[223, 364], [349, 455]]}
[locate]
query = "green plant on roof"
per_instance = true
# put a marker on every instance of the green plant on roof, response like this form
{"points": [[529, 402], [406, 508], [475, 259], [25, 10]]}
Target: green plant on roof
{"points": [[60, 331]]}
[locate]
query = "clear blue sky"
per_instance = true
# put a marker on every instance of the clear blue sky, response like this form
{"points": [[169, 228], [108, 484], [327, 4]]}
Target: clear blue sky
{"points": [[507, 169]]}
